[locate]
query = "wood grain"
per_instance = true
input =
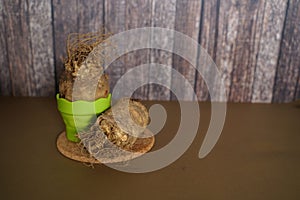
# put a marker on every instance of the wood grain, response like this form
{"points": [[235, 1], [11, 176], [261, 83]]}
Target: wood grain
{"points": [[5, 79], [297, 93], [255, 44], [187, 22], [115, 18], [208, 41], [163, 15], [138, 15], [16, 21], [247, 46], [41, 34], [237, 46], [65, 22], [271, 32], [288, 69], [245, 53], [90, 15]]}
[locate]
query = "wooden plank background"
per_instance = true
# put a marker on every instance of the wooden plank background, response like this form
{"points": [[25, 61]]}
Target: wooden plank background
{"points": [[255, 44]]}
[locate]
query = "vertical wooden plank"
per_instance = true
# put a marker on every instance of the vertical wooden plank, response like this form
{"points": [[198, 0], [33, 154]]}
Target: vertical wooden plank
{"points": [[226, 41], [65, 22], [163, 15], [273, 20], [41, 34], [228, 24], [237, 46], [16, 21], [209, 26], [115, 18], [187, 22], [5, 85], [288, 68], [208, 41], [297, 93], [242, 76], [138, 15], [90, 15]]}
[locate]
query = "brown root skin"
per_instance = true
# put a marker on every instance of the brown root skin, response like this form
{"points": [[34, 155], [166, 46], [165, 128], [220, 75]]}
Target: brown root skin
{"points": [[106, 130], [84, 92], [79, 46], [76, 66], [125, 132]]}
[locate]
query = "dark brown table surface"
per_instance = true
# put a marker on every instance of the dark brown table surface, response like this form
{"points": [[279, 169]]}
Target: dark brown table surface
{"points": [[257, 157]]}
